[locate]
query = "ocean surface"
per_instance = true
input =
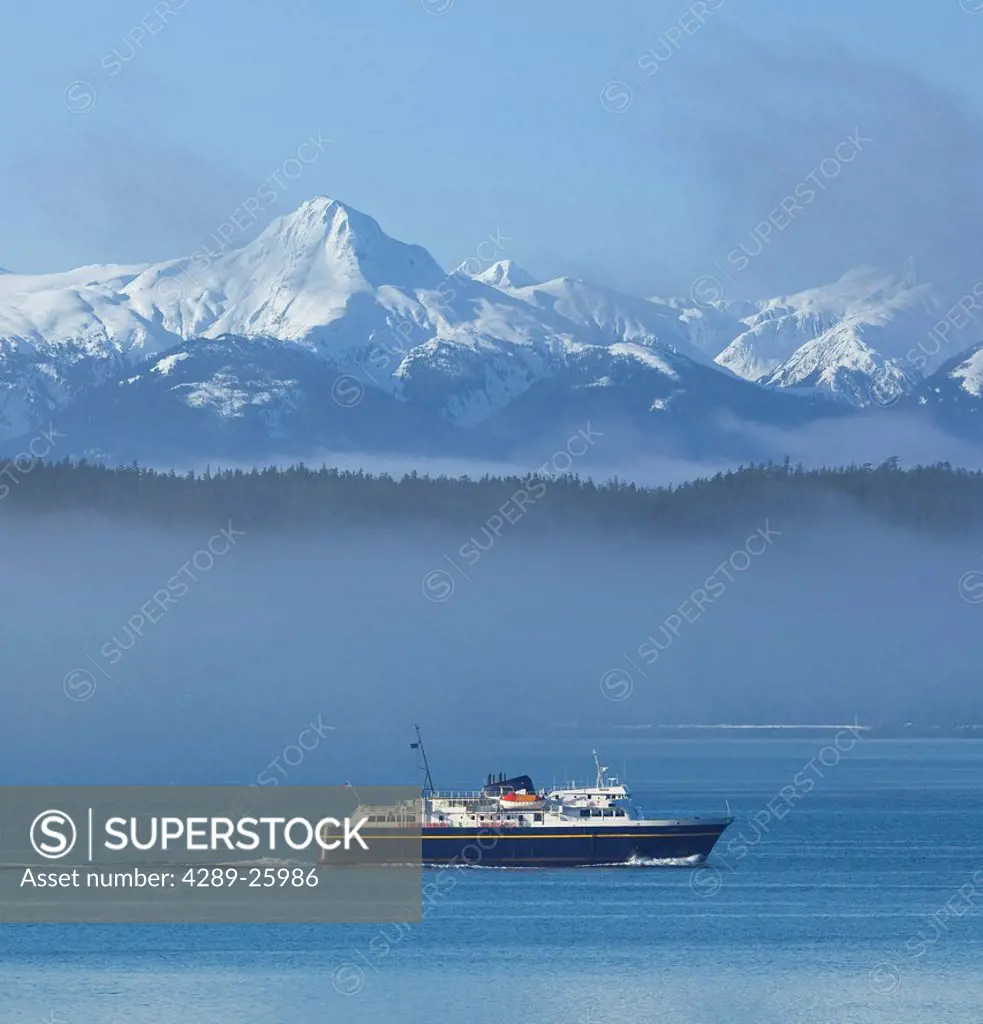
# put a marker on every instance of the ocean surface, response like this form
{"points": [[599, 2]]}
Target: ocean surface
{"points": [[852, 901]]}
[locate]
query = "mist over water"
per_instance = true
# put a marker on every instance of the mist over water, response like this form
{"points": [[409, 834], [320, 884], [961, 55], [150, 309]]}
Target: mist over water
{"points": [[848, 621]]}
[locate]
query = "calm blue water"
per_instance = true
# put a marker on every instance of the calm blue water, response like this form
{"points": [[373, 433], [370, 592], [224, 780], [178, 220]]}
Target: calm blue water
{"points": [[822, 917]]}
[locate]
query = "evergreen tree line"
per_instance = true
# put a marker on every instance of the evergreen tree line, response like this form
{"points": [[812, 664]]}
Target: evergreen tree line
{"points": [[936, 498]]}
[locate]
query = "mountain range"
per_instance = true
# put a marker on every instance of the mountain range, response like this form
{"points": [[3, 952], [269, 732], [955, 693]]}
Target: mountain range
{"points": [[323, 333]]}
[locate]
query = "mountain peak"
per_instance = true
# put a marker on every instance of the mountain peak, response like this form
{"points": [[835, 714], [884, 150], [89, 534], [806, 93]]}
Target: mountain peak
{"points": [[505, 274], [323, 228], [325, 210], [325, 221]]}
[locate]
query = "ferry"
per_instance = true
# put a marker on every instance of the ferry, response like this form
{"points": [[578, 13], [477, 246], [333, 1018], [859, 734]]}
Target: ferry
{"points": [[511, 823]]}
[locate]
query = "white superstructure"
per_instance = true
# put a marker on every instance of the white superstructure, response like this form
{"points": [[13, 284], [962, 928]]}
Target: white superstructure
{"points": [[515, 803]]}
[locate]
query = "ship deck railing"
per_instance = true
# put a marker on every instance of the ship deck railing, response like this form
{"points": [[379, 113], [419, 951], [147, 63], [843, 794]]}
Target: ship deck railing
{"points": [[503, 823], [589, 787], [461, 798]]}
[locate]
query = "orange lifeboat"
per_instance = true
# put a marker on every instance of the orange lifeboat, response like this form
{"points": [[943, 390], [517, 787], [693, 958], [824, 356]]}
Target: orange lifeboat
{"points": [[522, 801]]}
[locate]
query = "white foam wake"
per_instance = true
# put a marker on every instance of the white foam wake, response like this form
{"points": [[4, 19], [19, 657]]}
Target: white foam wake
{"points": [[665, 862], [632, 862]]}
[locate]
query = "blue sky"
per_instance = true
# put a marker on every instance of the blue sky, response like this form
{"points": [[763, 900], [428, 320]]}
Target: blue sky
{"points": [[450, 126]]}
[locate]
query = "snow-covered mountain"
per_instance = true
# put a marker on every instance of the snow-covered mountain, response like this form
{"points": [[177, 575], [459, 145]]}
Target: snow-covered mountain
{"points": [[325, 331], [298, 276], [836, 338], [326, 278], [502, 274], [967, 372], [953, 395], [597, 315]]}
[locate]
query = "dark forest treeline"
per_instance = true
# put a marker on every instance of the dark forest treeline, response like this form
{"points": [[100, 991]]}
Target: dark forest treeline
{"points": [[934, 498]]}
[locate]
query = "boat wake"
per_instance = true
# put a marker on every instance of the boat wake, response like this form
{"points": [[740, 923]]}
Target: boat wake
{"points": [[633, 862], [662, 862], [464, 866], [263, 862]]}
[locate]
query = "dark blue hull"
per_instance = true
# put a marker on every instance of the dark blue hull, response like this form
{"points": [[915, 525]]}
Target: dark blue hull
{"points": [[571, 846]]}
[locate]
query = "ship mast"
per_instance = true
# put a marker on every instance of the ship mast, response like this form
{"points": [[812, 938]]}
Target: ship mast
{"points": [[428, 781], [600, 781]]}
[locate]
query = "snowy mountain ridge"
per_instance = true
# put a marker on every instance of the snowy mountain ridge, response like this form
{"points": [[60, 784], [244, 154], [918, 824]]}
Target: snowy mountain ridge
{"points": [[323, 295]]}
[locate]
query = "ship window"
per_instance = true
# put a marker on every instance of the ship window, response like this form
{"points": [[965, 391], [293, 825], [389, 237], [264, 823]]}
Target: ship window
{"points": [[538, 817], [619, 814], [584, 813]]}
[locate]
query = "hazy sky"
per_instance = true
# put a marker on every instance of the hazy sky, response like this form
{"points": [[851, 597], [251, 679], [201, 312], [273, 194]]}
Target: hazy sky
{"points": [[451, 119]]}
